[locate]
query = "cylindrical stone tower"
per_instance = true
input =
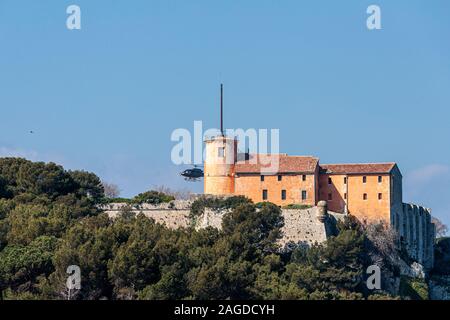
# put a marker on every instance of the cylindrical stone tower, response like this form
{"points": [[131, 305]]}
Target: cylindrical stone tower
{"points": [[220, 160]]}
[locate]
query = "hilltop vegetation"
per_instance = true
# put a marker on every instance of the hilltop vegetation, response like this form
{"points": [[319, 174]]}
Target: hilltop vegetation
{"points": [[150, 197], [442, 257], [49, 220]]}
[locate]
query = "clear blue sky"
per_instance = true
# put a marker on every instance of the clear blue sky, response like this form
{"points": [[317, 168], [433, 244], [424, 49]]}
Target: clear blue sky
{"points": [[106, 98]]}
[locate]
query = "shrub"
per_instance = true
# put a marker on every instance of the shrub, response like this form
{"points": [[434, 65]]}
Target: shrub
{"points": [[297, 206], [116, 200], [216, 203], [152, 197], [412, 288]]}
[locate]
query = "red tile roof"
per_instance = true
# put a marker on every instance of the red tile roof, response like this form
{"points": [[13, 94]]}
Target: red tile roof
{"points": [[358, 168], [277, 163]]}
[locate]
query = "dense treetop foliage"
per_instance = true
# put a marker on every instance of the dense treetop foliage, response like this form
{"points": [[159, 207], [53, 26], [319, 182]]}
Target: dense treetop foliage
{"points": [[152, 197], [199, 205], [49, 220], [442, 257], [149, 197]]}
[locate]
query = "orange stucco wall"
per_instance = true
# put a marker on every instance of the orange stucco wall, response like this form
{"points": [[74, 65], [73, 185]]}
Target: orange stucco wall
{"points": [[251, 186], [370, 209], [350, 194], [337, 190]]}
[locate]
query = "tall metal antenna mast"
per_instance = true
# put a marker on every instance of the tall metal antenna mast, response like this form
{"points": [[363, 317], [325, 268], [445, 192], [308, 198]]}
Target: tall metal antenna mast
{"points": [[221, 109]]}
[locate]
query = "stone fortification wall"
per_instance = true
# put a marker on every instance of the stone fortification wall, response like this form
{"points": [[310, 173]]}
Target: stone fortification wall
{"points": [[174, 214], [307, 226], [413, 224]]}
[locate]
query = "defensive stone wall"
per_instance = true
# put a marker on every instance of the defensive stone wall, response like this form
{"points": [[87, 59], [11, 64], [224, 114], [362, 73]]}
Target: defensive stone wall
{"points": [[174, 214], [413, 224], [306, 226]]}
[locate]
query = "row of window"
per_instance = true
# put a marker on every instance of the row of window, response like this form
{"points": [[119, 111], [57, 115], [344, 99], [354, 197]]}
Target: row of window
{"points": [[365, 197], [265, 194], [330, 180], [304, 195], [280, 177], [364, 179]]}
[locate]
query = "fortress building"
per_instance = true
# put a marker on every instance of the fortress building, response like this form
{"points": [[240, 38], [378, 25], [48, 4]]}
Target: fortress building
{"points": [[371, 192]]}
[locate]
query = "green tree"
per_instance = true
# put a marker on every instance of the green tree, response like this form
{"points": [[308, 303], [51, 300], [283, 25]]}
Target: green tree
{"points": [[88, 184], [88, 244], [21, 265], [135, 264], [36, 178], [226, 272], [152, 197], [333, 270], [27, 222]]}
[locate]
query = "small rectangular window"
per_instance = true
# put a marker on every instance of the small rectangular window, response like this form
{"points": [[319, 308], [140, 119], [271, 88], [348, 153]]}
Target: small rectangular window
{"points": [[380, 196], [365, 196], [345, 196], [329, 181], [330, 196], [262, 178], [304, 195], [264, 195], [279, 177], [304, 177], [283, 194], [345, 180], [364, 179], [380, 179], [221, 152]]}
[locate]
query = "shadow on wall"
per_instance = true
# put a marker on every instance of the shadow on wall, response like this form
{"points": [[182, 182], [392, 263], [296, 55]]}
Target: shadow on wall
{"points": [[336, 203]]}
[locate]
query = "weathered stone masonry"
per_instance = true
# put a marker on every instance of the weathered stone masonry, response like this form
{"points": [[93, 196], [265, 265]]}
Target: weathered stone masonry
{"points": [[306, 226], [413, 224]]}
